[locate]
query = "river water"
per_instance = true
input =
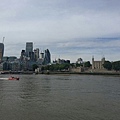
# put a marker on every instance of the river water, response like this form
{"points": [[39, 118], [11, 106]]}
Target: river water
{"points": [[60, 97]]}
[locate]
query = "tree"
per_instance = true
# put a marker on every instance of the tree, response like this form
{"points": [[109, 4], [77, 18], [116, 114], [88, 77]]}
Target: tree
{"points": [[116, 65], [42, 68], [51, 67], [87, 64], [34, 67], [107, 65], [78, 65]]}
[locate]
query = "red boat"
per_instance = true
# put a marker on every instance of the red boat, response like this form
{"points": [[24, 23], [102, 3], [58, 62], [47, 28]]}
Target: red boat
{"points": [[13, 78]]}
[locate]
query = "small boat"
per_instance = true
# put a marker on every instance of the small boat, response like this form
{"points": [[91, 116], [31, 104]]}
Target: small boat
{"points": [[13, 78]]}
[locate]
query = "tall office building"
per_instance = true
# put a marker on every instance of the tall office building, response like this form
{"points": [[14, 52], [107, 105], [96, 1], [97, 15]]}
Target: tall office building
{"points": [[31, 56], [22, 55], [41, 55], [36, 54], [47, 58], [41, 58], [29, 48], [1, 51]]}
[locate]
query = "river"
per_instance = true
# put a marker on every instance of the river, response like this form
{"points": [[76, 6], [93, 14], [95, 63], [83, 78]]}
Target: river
{"points": [[60, 97]]}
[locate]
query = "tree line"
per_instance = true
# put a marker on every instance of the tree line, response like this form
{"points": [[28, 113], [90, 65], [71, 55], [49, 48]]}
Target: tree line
{"points": [[112, 65], [56, 67], [62, 67]]}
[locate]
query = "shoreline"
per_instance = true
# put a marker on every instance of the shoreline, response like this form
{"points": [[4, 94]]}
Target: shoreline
{"points": [[52, 73], [80, 73]]}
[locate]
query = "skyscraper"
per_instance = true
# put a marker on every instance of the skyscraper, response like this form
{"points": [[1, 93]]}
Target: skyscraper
{"points": [[41, 55], [22, 54], [1, 51], [47, 58], [29, 48], [36, 54]]}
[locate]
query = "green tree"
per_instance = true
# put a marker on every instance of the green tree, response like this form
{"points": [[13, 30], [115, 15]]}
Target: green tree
{"points": [[78, 65], [51, 68], [56, 67], [66, 66], [107, 65], [34, 67], [72, 64], [116, 65], [87, 64]]}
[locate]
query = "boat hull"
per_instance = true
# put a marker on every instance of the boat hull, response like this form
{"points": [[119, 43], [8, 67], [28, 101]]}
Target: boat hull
{"points": [[15, 78]]}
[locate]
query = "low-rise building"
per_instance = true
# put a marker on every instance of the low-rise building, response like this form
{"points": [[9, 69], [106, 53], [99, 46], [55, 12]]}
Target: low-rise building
{"points": [[76, 69], [98, 64], [61, 61]]}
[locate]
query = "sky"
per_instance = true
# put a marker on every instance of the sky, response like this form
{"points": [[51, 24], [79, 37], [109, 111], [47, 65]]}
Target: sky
{"points": [[70, 29]]}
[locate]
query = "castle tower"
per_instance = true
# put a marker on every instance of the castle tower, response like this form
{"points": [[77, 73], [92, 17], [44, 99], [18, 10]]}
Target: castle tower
{"points": [[103, 60]]}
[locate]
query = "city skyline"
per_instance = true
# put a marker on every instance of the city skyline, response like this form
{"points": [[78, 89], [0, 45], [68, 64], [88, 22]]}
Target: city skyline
{"points": [[69, 29]]}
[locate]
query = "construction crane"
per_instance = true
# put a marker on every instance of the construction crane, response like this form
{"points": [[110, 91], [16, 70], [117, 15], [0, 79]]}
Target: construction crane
{"points": [[3, 39]]}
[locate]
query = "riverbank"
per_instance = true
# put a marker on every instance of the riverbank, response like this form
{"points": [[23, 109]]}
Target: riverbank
{"points": [[81, 73], [16, 72], [52, 73]]}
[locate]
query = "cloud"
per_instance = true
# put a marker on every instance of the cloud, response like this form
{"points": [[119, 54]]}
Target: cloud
{"points": [[69, 28], [75, 48]]}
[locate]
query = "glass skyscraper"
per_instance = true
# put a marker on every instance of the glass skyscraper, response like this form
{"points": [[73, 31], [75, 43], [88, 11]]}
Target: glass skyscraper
{"points": [[47, 58], [1, 51], [29, 48]]}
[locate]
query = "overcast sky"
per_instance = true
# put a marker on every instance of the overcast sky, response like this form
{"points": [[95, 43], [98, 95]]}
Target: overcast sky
{"points": [[70, 29]]}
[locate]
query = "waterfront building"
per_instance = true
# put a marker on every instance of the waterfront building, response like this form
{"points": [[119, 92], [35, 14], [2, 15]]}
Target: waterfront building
{"points": [[9, 59], [24, 63], [22, 55], [12, 58], [4, 66], [61, 61], [31, 56], [10, 63], [29, 48], [5, 58], [47, 57], [1, 51], [40, 61], [30, 65], [98, 64], [76, 69], [41, 55], [36, 54], [14, 66]]}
